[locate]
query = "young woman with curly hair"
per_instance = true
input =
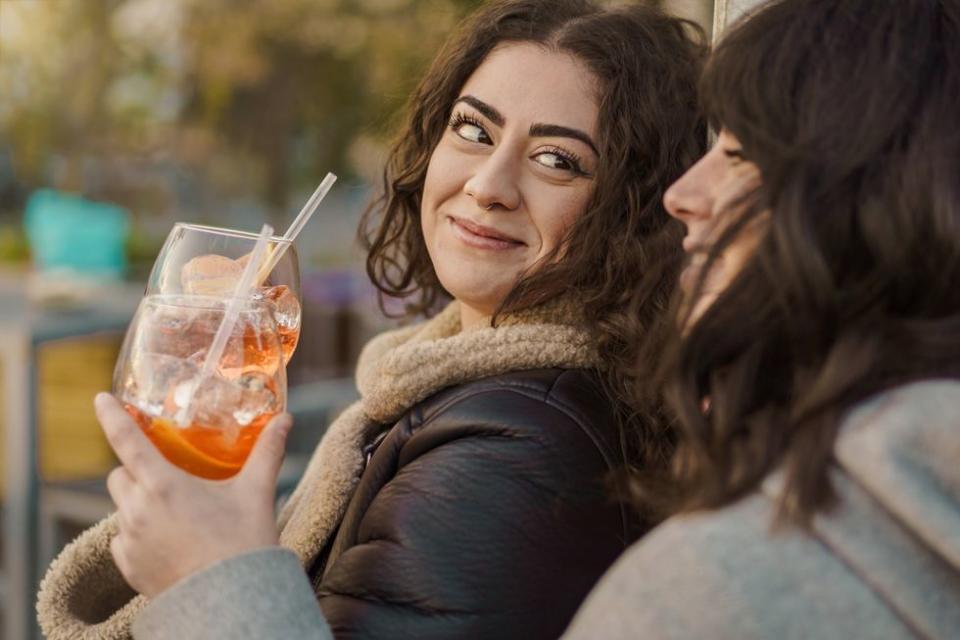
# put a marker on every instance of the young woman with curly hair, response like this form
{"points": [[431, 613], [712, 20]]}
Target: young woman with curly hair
{"points": [[463, 496]]}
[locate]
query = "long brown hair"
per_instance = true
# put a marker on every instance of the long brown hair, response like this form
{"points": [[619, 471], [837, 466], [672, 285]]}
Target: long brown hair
{"points": [[650, 131], [849, 109]]}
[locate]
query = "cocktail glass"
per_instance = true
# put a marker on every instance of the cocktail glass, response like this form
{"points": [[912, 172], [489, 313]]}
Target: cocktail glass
{"points": [[206, 419], [208, 261]]}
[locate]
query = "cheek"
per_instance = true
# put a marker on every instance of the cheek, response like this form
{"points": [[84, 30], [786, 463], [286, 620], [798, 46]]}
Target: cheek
{"points": [[446, 173], [554, 217], [432, 184], [743, 247], [435, 185]]}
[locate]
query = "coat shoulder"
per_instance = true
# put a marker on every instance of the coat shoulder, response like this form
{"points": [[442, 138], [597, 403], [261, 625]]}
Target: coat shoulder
{"points": [[525, 403], [739, 578]]}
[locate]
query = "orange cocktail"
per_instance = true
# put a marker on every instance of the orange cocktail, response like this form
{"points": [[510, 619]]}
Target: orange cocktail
{"points": [[203, 420], [202, 407], [204, 451]]}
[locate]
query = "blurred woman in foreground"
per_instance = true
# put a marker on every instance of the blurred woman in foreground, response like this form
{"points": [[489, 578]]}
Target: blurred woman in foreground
{"points": [[815, 367]]}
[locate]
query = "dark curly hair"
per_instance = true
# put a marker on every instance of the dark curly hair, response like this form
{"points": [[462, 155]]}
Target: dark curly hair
{"points": [[849, 110], [650, 131]]}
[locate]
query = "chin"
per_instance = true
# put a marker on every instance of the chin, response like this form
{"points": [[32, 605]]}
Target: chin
{"points": [[475, 292]]}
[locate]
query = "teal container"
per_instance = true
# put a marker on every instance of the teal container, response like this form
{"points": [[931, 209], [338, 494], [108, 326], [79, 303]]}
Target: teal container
{"points": [[69, 233]]}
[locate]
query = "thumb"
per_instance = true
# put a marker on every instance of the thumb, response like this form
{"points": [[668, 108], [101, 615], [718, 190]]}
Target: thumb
{"points": [[264, 462]]}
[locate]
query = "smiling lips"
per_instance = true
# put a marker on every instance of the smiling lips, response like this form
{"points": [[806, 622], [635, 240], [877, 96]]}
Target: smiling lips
{"points": [[697, 252], [481, 237]]}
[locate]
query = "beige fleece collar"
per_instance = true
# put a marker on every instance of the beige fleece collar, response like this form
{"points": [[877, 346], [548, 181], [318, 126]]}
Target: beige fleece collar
{"points": [[400, 368]]}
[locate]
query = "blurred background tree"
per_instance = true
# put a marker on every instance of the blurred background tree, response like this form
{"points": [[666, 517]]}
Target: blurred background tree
{"points": [[224, 111], [172, 106]]}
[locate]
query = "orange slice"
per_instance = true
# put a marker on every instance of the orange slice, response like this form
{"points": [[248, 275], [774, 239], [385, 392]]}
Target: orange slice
{"points": [[175, 447]]}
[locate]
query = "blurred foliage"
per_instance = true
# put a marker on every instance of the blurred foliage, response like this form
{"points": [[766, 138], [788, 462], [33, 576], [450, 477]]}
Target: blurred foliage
{"points": [[142, 247], [257, 97], [217, 110], [13, 244]]}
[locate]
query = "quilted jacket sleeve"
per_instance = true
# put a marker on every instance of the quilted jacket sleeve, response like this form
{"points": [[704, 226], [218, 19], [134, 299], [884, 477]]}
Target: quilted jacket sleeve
{"points": [[493, 523]]}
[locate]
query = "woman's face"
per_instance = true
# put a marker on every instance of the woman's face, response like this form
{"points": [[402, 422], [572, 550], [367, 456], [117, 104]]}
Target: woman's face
{"points": [[512, 172], [705, 199]]}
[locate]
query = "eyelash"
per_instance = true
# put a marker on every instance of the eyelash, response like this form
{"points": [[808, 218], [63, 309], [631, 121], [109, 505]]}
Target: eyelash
{"points": [[457, 120], [570, 158], [735, 154]]}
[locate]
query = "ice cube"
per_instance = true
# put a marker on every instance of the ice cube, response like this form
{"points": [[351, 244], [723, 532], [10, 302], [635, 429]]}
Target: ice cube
{"points": [[258, 397], [151, 378], [211, 275], [229, 405], [214, 401], [286, 306], [170, 319], [177, 331]]}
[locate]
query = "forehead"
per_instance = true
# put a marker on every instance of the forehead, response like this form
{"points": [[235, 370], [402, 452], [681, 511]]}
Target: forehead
{"points": [[530, 83]]}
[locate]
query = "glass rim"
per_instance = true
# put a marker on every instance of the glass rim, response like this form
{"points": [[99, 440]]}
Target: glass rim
{"points": [[207, 303], [236, 233]]}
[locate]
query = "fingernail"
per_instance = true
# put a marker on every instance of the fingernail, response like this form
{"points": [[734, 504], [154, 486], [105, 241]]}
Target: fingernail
{"points": [[285, 422]]}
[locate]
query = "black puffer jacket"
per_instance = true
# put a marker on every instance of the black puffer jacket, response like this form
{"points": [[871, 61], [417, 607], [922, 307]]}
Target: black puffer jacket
{"points": [[482, 513]]}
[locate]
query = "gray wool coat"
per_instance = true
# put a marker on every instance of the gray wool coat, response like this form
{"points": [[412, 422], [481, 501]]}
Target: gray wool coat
{"points": [[884, 564]]}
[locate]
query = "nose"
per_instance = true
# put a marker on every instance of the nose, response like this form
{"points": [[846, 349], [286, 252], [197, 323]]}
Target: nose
{"points": [[688, 199], [494, 182]]}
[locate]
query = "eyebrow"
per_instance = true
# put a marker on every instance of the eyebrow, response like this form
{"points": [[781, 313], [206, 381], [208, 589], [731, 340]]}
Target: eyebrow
{"points": [[537, 130]]}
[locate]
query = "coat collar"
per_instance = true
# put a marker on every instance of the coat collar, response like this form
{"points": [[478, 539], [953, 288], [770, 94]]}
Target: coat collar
{"points": [[400, 368]]}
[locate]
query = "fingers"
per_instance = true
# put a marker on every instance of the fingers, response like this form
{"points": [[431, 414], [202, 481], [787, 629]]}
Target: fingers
{"points": [[134, 449], [130, 501], [120, 486], [121, 557], [264, 462]]}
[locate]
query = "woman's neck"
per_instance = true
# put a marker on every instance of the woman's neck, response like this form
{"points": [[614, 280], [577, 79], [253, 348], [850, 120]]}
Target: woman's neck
{"points": [[472, 318]]}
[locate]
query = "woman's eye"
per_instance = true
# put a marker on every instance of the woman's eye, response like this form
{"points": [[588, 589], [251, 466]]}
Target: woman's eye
{"points": [[471, 131], [559, 161], [735, 155], [554, 161]]}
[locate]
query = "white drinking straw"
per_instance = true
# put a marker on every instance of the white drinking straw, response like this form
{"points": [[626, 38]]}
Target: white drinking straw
{"points": [[313, 203], [241, 296]]}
